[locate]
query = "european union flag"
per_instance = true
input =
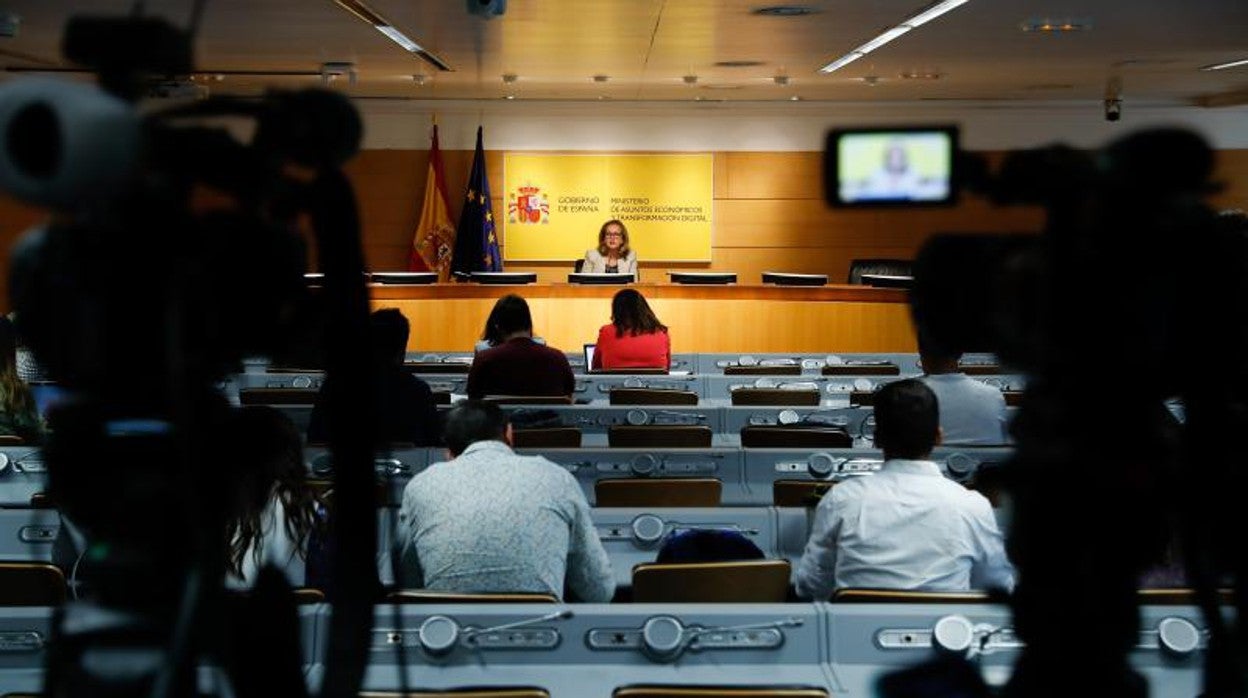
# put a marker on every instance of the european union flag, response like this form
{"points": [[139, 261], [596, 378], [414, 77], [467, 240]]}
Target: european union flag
{"points": [[476, 242]]}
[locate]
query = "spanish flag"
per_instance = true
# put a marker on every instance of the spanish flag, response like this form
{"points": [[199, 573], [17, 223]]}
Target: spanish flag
{"points": [[435, 235]]}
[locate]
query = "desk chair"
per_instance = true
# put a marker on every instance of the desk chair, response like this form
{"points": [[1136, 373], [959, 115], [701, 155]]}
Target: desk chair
{"points": [[790, 436], [11, 440], [716, 692], [547, 437], [41, 500], [31, 584], [421, 596], [798, 493], [659, 436], [651, 396], [758, 581], [277, 396], [658, 492], [775, 397], [862, 398], [469, 693], [529, 399], [762, 370]]}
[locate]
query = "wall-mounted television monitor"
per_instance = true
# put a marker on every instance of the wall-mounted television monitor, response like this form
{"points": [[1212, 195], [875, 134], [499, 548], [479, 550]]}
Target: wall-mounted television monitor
{"points": [[891, 166]]}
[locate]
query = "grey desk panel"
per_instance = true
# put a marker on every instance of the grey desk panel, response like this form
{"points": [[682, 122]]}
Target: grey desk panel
{"points": [[852, 418], [811, 363], [596, 650], [22, 474], [870, 640], [590, 464], [833, 390], [595, 419], [597, 387], [632, 536], [28, 534], [309, 380], [764, 466]]}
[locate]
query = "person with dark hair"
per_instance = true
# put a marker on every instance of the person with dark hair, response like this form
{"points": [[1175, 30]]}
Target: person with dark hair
{"points": [[275, 510], [406, 412], [613, 255], [508, 311], [492, 521], [518, 365], [635, 338], [906, 526], [971, 413], [19, 415]]}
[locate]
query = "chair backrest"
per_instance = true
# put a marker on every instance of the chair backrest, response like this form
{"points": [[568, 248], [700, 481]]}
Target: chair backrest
{"points": [[529, 399], [428, 596], [980, 369], [11, 440], [277, 396], [775, 397], [1181, 597], [789, 436], [659, 436], [861, 370], [717, 692], [578, 266], [441, 397], [798, 493], [652, 396], [41, 500], [1013, 398], [493, 692], [888, 267], [547, 437], [436, 367], [31, 584], [761, 370], [899, 596], [658, 492], [759, 581]]}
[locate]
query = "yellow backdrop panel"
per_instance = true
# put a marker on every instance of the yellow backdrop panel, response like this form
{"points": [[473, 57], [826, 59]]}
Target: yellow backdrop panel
{"points": [[556, 204]]}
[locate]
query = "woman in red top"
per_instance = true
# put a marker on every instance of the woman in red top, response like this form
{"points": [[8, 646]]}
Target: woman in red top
{"points": [[635, 338]]}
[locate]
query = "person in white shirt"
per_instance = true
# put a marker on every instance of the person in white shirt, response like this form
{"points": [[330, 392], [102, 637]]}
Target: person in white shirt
{"points": [[971, 413], [907, 526]]}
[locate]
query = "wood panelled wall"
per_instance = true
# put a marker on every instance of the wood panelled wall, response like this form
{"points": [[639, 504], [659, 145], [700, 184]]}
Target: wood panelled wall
{"points": [[769, 214]]}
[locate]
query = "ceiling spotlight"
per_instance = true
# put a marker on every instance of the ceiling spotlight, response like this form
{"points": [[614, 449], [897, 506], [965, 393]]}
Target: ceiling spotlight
{"points": [[920, 75], [1055, 26], [420, 79], [601, 78], [795, 98], [509, 78], [690, 79], [510, 96], [780, 79]]}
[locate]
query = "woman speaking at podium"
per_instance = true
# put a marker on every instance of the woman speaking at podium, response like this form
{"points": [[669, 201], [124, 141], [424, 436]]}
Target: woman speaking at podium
{"points": [[613, 255]]}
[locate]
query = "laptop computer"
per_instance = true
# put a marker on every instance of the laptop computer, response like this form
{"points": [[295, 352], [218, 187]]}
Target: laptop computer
{"points": [[589, 357]]}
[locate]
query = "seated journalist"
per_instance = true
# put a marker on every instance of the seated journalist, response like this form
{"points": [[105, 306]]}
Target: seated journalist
{"points": [[907, 526], [613, 255], [635, 338], [971, 413], [518, 365], [406, 412], [493, 521]]}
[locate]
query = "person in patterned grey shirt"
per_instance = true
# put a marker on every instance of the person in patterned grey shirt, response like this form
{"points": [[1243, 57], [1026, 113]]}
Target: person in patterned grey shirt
{"points": [[493, 521]]}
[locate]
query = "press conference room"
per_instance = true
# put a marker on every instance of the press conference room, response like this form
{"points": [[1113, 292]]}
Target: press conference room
{"points": [[244, 239]]}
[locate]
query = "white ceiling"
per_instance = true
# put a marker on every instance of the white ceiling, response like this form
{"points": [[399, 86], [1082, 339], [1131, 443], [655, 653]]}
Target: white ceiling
{"points": [[554, 47]]}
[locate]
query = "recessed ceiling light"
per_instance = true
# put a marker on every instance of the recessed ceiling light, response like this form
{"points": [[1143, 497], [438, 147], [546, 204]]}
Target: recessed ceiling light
{"points": [[509, 97], [420, 79], [690, 79], [509, 78], [784, 11], [746, 63], [1047, 25], [1228, 64], [601, 78], [795, 98], [921, 75], [780, 79]]}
